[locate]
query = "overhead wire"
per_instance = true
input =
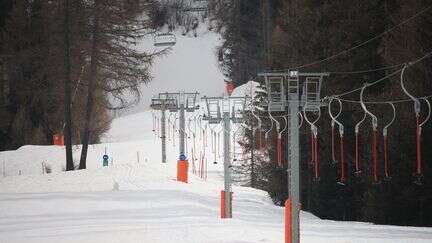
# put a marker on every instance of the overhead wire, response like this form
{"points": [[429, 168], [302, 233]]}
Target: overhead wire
{"points": [[385, 102], [365, 42], [350, 72], [367, 70], [385, 77]]}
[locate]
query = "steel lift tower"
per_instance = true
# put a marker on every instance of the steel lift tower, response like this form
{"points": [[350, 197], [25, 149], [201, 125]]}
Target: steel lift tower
{"points": [[175, 102], [225, 110], [290, 91]]}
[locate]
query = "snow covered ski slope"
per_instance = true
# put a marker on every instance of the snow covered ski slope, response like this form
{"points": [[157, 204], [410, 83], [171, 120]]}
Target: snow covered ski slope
{"points": [[136, 198]]}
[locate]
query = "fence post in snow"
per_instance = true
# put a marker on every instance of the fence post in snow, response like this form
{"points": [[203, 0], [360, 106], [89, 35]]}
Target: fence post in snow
{"points": [[138, 158]]}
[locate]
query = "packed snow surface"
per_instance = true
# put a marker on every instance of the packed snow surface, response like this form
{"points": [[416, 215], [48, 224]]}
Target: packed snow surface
{"points": [[136, 199]]}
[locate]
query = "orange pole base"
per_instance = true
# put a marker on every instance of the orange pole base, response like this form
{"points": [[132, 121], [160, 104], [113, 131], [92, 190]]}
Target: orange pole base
{"points": [[182, 171], [288, 221], [288, 224], [223, 215]]}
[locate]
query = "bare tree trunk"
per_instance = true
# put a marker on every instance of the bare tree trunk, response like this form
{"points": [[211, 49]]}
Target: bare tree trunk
{"points": [[67, 90], [91, 86]]}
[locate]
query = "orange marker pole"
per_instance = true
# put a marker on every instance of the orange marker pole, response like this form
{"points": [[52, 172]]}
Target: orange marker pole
{"points": [[288, 225], [223, 214], [182, 169]]}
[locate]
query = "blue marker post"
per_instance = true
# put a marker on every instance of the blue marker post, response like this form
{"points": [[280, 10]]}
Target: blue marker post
{"points": [[105, 160]]}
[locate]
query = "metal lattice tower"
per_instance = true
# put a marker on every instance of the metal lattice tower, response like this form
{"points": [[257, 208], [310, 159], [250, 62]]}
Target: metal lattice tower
{"points": [[175, 102], [226, 110], [289, 91]]}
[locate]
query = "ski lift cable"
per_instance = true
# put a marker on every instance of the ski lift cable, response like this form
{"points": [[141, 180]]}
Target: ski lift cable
{"points": [[314, 139], [417, 105], [333, 131], [354, 71], [419, 124], [285, 127], [236, 130], [357, 144], [191, 131], [266, 134], [280, 158], [278, 139], [259, 127], [301, 119], [385, 141], [259, 120], [385, 102], [417, 110], [385, 129], [409, 64], [374, 134], [365, 42], [363, 105], [275, 121], [428, 114], [341, 139], [367, 70]]}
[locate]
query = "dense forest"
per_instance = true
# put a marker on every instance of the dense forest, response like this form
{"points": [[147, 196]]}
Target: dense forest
{"points": [[65, 65], [356, 42]]}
